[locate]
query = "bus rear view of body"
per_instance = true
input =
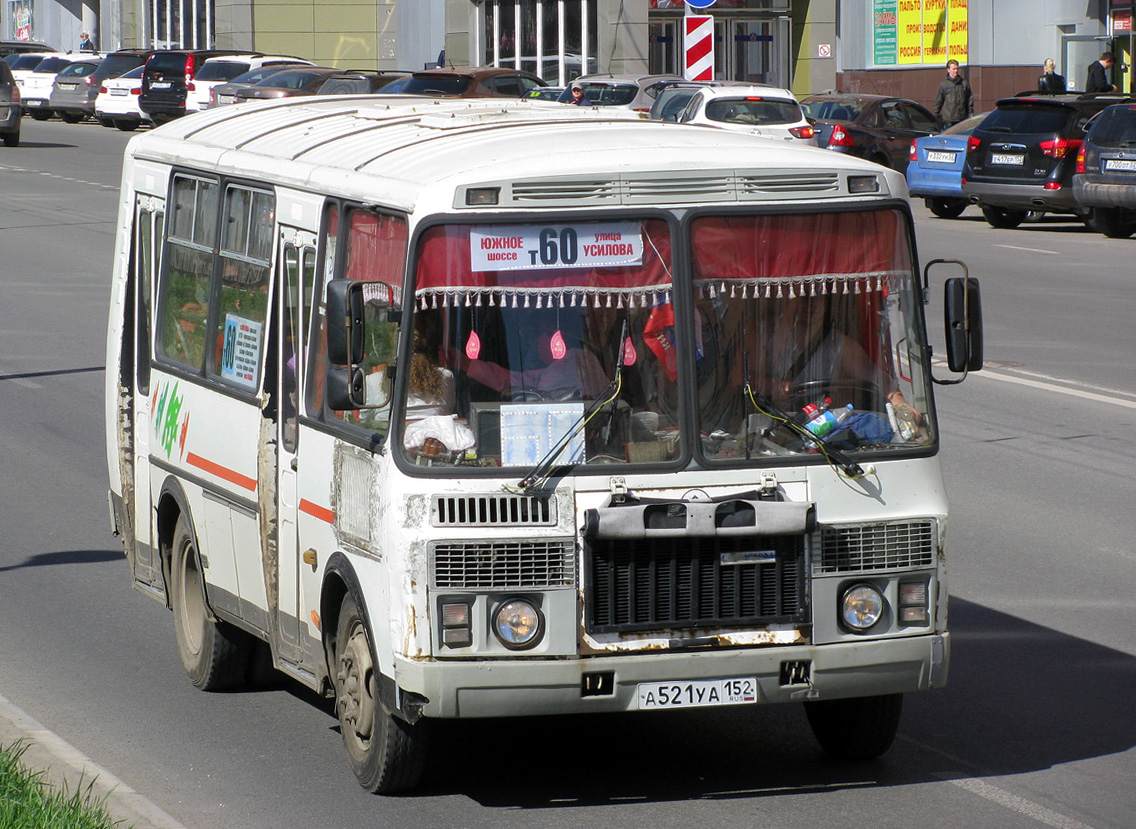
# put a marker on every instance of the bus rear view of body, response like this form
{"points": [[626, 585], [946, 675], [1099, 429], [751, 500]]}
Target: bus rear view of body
{"points": [[482, 410]]}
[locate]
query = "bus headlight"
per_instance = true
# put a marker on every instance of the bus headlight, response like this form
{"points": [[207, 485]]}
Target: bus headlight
{"points": [[861, 607], [518, 624]]}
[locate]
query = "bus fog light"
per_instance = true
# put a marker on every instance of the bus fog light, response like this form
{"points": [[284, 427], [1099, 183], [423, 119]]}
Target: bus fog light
{"points": [[518, 624], [861, 607]]}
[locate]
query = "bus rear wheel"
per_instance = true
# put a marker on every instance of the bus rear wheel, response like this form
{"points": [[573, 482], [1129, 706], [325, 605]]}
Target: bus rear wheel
{"points": [[386, 753], [213, 653], [855, 729]]}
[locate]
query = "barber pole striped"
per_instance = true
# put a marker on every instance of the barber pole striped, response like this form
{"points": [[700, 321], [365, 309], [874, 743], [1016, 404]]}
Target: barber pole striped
{"points": [[699, 46]]}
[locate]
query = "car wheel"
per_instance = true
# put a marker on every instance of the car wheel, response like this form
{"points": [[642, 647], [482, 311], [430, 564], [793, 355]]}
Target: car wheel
{"points": [[104, 121], [72, 117], [947, 208], [12, 139], [1113, 222], [126, 124], [41, 114], [1003, 218]]}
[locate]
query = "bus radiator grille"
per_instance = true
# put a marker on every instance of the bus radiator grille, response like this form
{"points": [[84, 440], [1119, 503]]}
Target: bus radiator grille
{"points": [[682, 583], [874, 547], [503, 565], [492, 511]]}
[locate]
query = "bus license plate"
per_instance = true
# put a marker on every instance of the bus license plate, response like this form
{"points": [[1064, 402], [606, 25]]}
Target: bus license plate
{"points": [[698, 693], [1122, 164], [940, 157], [1002, 158]]}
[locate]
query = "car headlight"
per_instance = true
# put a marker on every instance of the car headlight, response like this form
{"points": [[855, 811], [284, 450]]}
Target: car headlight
{"points": [[861, 607], [518, 624]]}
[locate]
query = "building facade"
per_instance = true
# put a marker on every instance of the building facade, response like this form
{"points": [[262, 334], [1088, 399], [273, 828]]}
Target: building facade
{"points": [[884, 46]]}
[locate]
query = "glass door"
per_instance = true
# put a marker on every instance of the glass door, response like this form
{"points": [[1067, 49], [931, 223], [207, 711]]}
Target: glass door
{"points": [[752, 49]]}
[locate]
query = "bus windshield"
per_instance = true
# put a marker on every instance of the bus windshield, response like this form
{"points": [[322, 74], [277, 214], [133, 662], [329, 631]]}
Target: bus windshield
{"points": [[568, 338]]}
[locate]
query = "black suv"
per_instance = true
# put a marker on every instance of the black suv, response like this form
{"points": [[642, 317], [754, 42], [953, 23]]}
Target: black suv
{"points": [[10, 109], [168, 76], [1022, 157], [1106, 171], [17, 47]]}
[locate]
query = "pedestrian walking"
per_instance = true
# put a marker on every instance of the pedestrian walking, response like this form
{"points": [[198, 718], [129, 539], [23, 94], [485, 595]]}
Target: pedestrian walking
{"points": [[1050, 81], [953, 100], [1098, 74]]}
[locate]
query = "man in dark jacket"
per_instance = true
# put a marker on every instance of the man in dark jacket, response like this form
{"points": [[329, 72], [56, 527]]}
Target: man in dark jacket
{"points": [[953, 101], [1098, 74]]}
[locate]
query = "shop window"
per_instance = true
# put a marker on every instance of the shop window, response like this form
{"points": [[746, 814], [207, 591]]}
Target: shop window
{"points": [[527, 35]]}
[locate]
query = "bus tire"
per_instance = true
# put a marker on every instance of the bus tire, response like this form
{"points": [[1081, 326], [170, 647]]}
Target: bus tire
{"points": [[213, 653], [386, 753], [855, 729]]}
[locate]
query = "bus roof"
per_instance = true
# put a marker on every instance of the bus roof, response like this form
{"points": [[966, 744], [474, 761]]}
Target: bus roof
{"points": [[412, 152]]}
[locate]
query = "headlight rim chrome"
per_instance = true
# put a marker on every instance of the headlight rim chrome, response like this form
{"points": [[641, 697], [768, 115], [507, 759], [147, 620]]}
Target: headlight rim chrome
{"points": [[538, 633], [846, 614]]}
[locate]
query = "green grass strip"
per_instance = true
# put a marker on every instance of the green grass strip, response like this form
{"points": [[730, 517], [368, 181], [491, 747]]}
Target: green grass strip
{"points": [[28, 801]]}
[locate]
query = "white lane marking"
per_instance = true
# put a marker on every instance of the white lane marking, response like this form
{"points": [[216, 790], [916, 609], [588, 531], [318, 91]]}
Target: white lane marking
{"points": [[1014, 803], [1071, 392], [1030, 250]]}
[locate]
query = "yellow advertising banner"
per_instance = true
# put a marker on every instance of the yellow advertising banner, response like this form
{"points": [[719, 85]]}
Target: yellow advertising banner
{"points": [[930, 31]]}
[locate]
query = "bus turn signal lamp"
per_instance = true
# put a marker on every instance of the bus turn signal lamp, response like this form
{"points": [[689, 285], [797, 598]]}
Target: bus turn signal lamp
{"points": [[913, 603], [456, 630]]}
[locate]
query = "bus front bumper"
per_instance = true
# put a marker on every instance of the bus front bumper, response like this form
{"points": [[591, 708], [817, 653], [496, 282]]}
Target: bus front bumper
{"points": [[519, 687]]}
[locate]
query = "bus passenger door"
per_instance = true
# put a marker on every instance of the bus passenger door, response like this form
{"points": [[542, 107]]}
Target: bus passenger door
{"points": [[297, 273], [148, 221]]}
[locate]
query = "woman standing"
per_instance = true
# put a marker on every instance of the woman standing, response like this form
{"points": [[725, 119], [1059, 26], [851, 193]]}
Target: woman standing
{"points": [[1050, 81]]}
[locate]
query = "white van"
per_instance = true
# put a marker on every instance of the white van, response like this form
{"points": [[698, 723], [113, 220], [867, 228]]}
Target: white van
{"points": [[492, 408]]}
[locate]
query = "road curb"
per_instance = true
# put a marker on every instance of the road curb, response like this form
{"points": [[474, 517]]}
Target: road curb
{"points": [[65, 766]]}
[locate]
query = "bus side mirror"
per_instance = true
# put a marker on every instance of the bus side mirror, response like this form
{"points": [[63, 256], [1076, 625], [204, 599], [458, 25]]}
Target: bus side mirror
{"points": [[346, 388], [344, 322], [962, 312]]}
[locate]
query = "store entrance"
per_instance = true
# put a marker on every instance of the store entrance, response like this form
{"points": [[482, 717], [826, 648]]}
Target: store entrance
{"points": [[749, 49]]}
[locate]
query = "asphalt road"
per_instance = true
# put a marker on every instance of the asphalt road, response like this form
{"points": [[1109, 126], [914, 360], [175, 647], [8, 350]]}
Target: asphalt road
{"points": [[1036, 727]]}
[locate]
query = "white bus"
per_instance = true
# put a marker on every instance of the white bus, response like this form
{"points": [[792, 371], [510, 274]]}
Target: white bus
{"points": [[488, 409]]}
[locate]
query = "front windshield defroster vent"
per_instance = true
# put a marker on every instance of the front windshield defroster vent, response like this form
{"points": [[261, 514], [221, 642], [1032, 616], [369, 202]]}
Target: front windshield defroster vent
{"points": [[529, 564], [492, 511], [874, 547]]}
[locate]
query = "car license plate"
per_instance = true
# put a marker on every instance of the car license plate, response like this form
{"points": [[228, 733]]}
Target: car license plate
{"points": [[161, 85], [1121, 164], [698, 693], [34, 102], [118, 92], [1003, 158], [940, 157], [68, 86]]}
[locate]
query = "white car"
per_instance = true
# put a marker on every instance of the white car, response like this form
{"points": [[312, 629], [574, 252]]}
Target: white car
{"points": [[35, 90], [117, 101], [759, 110], [223, 69], [26, 63]]}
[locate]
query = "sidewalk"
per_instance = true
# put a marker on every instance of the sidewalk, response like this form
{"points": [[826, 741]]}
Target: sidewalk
{"points": [[63, 765]]}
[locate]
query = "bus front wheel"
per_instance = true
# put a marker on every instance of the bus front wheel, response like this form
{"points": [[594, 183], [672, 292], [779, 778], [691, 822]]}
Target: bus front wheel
{"points": [[855, 729], [213, 653], [386, 753]]}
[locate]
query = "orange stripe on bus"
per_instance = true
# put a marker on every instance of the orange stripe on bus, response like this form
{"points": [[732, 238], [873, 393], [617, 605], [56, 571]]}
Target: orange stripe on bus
{"points": [[221, 471], [316, 511]]}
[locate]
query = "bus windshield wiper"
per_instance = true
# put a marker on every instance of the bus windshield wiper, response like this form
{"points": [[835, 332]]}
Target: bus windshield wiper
{"points": [[539, 474]]}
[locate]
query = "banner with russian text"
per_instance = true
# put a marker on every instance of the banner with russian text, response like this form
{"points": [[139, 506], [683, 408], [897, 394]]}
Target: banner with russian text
{"points": [[919, 32]]}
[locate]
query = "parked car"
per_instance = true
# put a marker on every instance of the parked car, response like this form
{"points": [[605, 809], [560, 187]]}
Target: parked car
{"points": [[10, 109], [635, 92], [76, 87], [304, 80], [35, 93], [226, 93], [168, 77], [19, 47], [225, 68], [1105, 176], [473, 82], [1023, 156], [117, 102], [358, 82], [757, 110], [876, 127], [934, 169]]}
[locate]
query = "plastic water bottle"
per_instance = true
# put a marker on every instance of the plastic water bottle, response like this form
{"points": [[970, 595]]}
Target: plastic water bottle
{"points": [[823, 420]]}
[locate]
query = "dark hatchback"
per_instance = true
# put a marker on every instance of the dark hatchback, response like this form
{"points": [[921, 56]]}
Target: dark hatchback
{"points": [[875, 127], [1023, 156], [167, 78], [1105, 179], [19, 47]]}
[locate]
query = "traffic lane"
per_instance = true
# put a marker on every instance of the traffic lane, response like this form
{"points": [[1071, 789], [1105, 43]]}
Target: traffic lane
{"points": [[1057, 298], [86, 151]]}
